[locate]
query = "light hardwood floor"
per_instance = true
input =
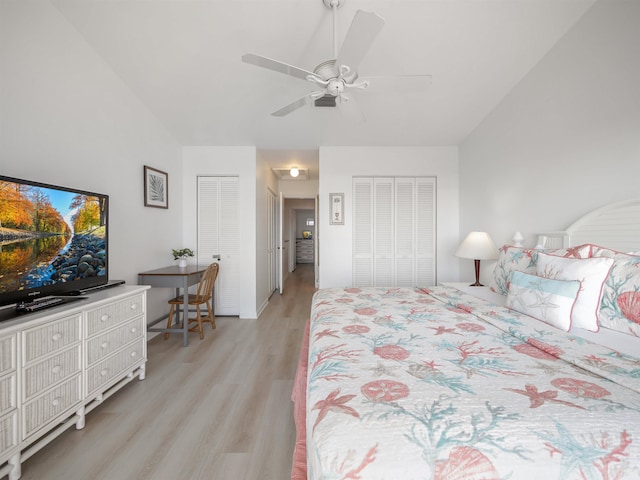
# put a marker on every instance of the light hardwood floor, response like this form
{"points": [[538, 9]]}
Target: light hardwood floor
{"points": [[217, 409]]}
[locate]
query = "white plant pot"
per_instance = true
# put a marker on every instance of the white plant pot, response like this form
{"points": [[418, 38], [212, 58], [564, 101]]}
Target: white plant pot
{"points": [[182, 262]]}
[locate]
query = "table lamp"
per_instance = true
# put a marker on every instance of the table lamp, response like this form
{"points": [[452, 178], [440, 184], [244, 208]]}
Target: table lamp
{"points": [[477, 246]]}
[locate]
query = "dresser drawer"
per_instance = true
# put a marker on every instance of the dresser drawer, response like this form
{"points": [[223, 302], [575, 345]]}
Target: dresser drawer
{"points": [[102, 373], [103, 345], [50, 337], [42, 375], [8, 393], [8, 432], [108, 316], [40, 411], [7, 354]]}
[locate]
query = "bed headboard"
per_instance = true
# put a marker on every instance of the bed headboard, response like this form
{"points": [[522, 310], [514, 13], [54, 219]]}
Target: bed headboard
{"points": [[615, 226]]}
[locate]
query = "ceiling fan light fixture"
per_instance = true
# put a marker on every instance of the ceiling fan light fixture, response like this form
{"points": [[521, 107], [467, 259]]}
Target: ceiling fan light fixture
{"points": [[294, 172]]}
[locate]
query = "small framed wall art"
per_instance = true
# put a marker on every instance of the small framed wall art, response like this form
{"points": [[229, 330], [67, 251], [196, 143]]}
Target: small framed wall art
{"points": [[336, 208], [156, 188]]}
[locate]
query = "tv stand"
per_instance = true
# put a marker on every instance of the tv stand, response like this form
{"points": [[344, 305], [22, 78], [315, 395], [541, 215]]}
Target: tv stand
{"points": [[57, 365]]}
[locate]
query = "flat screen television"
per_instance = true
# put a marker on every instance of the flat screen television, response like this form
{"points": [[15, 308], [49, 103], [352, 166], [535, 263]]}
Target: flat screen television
{"points": [[53, 240]]}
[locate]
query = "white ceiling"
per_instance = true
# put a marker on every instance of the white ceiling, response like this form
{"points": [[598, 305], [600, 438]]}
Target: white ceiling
{"points": [[182, 59]]}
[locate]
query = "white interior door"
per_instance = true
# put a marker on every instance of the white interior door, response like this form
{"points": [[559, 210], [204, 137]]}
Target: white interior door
{"points": [[404, 232], [316, 242], [218, 237], [281, 252], [272, 241], [394, 231], [383, 232], [425, 231], [363, 232]]}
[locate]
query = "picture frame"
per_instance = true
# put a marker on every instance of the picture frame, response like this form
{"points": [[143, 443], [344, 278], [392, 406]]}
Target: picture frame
{"points": [[336, 209], [156, 188]]}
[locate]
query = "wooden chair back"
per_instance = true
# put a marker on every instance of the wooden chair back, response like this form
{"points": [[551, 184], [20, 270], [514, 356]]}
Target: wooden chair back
{"points": [[208, 280]]}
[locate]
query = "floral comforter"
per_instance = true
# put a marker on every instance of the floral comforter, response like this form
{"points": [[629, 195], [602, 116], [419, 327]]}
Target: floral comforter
{"points": [[436, 384]]}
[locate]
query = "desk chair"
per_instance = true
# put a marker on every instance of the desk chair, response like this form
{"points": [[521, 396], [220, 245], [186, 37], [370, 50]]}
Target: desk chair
{"points": [[203, 296]]}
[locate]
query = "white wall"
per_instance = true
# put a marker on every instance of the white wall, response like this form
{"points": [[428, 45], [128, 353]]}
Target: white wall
{"points": [[566, 140], [298, 188], [338, 166], [67, 119], [223, 161]]}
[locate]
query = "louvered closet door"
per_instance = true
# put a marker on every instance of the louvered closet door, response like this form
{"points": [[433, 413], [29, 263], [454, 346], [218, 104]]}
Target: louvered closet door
{"points": [[383, 225], [218, 235], [362, 232], [425, 201], [404, 233], [394, 231]]}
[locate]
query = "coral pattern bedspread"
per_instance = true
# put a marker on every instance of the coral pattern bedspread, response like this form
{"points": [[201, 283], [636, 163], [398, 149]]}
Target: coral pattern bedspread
{"points": [[436, 384]]}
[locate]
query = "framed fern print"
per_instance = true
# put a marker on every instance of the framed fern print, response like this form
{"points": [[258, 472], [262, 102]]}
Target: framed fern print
{"points": [[156, 188]]}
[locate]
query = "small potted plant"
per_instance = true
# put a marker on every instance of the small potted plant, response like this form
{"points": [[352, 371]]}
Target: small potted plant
{"points": [[181, 255]]}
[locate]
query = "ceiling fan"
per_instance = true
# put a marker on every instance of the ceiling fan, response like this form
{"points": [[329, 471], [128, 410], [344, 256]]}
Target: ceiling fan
{"points": [[338, 78]]}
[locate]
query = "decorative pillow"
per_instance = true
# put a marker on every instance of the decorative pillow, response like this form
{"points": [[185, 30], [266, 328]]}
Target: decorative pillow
{"points": [[546, 299], [620, 304], [590, 272], [521, 259]]}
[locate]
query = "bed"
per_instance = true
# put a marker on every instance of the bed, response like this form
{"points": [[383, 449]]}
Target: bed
{"points": [[535, 376]]}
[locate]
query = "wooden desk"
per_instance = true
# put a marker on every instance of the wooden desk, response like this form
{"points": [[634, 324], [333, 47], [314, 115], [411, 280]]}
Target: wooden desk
{"points": [[178, 278]]}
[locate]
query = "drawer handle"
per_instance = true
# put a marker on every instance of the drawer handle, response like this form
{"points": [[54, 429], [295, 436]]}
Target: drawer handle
{"points": [[56, 336], [104, 345], [133, 330], [134, 354], [104, 372], [56, 369], [104, 317], [134, 306], [56, 401]]}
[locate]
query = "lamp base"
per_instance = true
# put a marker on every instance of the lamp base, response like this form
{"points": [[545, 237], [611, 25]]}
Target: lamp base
{"points": [[477, 284]]}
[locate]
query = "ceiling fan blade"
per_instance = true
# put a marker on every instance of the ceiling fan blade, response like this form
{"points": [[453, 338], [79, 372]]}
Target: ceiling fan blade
{"points": [[308, 99], [293, 106], [349, 107], [397, 83], [363, 30], [276, 66]]}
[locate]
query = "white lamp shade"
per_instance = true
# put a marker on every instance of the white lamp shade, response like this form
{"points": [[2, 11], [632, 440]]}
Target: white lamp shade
{"points": [[477, 246], [294, 172]]}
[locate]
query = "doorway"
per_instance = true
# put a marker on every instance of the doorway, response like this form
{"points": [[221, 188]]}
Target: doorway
{"points": [[299, 228]]}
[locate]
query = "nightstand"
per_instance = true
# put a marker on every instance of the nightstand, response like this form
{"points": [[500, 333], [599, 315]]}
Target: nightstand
{"points": [[479, 292]]}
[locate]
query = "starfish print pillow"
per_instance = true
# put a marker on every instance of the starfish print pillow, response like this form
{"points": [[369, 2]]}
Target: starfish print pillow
{"points": [[545, 299]]}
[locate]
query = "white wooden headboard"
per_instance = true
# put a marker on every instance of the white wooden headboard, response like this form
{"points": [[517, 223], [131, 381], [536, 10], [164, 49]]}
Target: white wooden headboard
{"points": [[615, 226]]}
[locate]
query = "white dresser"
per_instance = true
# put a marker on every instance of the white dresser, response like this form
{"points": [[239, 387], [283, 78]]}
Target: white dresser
{"points": [[58, 364]]}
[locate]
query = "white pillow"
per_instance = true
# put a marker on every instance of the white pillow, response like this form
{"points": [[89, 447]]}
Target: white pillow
{"points": [[591, 272], [546, 299]]}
